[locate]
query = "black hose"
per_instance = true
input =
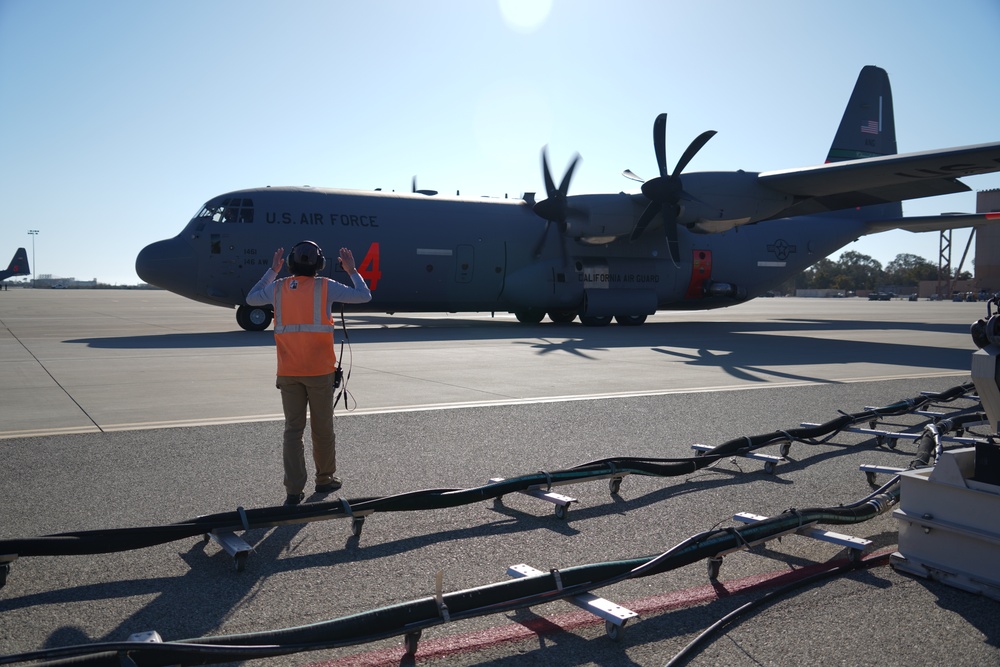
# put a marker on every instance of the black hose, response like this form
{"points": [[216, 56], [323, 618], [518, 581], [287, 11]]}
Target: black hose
{"points": [[688, 652], [929, 442], [124, 539], [403, 618], [426, 612]]}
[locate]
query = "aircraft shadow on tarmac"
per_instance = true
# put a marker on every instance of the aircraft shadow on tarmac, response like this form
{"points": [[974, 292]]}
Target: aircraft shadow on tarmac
{"points": [[741, 348], [179, 341], [754, 357]]}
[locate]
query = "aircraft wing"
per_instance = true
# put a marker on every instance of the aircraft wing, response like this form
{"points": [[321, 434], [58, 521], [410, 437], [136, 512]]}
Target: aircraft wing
{"points": [[933, 223], [879, 180]]}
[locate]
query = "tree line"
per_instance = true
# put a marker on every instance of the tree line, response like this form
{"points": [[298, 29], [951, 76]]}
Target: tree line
{"points": [[854, 271]]}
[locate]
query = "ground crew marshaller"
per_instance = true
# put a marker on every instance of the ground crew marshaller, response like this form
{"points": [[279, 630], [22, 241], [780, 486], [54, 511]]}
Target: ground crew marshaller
{"points": [[307, 361]]}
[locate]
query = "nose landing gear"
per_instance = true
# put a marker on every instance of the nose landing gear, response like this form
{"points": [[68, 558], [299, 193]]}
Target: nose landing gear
{"points": [[253, 318]]}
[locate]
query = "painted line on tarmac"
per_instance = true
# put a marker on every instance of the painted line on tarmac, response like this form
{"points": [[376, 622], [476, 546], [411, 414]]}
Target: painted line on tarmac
{"points": [[246, 419], [639, 394], [534, 628]]}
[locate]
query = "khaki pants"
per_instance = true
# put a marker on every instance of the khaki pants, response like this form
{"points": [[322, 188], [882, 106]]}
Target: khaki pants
{"points": [[316, 392]]}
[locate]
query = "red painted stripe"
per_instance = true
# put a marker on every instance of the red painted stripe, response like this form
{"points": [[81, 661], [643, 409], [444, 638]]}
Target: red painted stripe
{"points": [[476, 641], [993, 216]]}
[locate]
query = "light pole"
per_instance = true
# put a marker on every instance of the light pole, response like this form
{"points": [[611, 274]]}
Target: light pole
{"points": [[34, 269]]}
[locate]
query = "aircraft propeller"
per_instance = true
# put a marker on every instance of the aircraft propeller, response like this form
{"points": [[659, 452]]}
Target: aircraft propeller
{"points": [[665, 191], [555, 207], [429, 193]]}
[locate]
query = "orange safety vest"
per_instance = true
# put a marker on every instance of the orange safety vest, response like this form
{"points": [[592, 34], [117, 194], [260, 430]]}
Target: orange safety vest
{"points": [[303, 327]]}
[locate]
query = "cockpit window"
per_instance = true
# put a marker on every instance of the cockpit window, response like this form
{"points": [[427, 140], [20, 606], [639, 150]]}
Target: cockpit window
{"points": [[230, 209]]}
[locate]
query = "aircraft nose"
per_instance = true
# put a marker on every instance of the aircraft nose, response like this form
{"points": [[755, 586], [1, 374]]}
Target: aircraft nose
{"points": [[169, 264]]}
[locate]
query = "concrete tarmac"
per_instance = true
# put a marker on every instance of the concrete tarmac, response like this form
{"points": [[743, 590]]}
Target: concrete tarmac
{"points": [[132, 408]]}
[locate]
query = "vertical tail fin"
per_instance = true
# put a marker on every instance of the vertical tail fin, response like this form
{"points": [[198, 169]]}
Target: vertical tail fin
{"points": [[18, 266], [868, 128]]}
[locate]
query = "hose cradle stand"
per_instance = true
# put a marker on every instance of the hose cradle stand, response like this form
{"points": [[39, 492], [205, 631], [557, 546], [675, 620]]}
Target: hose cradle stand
{"points": [[770, 461], [615, 616], [233, 544], [871, 470], [561, 502], [855, 545], [357, 518], [889, 438]]}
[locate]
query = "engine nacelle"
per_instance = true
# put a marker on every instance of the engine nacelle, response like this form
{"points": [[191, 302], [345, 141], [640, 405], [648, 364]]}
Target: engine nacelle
{"points": [[605, 217], [719, 201]]}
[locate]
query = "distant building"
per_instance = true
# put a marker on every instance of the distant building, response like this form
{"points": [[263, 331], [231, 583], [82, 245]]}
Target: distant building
{"points": [[988, 243], [47, 280]]}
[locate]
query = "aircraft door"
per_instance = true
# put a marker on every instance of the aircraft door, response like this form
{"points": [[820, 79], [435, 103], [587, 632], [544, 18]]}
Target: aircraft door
{"points": [[222, 268]]}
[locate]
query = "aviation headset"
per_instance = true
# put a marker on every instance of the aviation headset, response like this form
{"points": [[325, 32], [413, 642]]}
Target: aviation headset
{"points": [[306, 259]]}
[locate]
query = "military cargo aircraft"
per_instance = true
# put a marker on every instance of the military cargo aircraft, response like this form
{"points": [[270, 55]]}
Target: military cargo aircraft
{"points": [[682, 241], [18, 265]]}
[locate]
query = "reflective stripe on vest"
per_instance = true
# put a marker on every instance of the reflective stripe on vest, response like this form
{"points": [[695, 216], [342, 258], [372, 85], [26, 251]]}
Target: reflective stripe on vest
{"points": [[303, 328]]}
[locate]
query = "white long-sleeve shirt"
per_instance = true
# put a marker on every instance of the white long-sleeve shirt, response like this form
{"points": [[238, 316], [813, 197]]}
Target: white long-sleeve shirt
{"points": [[262, 293]]}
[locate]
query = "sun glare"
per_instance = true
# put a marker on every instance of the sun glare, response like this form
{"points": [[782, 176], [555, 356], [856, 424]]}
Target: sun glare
{"points": [[524, 15]]}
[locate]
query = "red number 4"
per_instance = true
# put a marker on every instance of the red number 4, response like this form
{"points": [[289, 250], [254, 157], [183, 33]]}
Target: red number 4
{"points": [[369, 267]]}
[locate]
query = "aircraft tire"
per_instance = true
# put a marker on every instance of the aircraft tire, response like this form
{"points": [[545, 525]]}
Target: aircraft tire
{"points": [[253, 318], [529, 315], [562, 316], [595, 320], [630, 320]]}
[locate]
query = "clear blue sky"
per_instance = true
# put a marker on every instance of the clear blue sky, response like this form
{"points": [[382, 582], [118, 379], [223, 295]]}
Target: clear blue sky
{"points": [[118, 119]]}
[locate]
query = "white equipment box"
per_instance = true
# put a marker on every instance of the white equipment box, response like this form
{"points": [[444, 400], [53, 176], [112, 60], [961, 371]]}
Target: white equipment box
{"points": [[949, 525]]}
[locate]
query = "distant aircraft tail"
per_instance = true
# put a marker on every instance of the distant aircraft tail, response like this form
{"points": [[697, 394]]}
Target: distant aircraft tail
{"points": [[18, 266], [868, 128]]}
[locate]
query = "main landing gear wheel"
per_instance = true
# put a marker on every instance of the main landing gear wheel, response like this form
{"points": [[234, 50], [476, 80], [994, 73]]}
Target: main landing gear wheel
{"points": [[529, 315], [630, 320], [562, 316], [253, 318]]}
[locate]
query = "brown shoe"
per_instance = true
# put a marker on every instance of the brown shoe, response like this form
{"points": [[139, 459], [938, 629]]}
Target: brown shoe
{"points": [[332, 485]]}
